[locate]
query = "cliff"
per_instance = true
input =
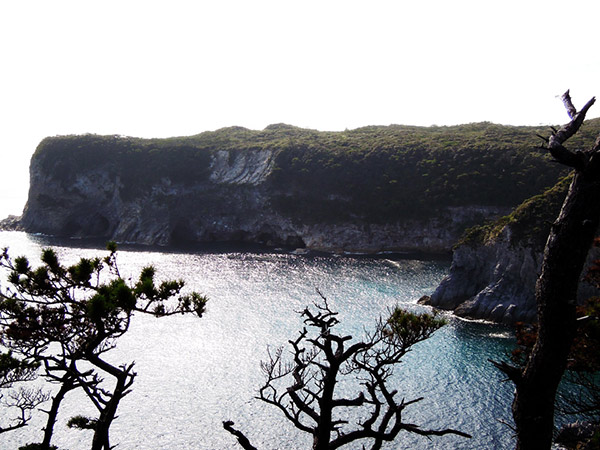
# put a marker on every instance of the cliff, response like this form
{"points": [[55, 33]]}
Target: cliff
{"points": [[495, 267], [366, 190]]}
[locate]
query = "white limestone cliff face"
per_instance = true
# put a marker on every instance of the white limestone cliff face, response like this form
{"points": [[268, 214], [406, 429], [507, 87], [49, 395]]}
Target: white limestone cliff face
{"points": [[233, 203], [241, 168]]}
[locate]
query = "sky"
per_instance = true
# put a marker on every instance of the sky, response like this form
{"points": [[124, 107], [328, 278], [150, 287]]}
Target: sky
{"points": [[177, 68]]}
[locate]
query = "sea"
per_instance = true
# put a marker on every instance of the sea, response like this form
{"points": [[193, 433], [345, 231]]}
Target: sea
{"points": [[194, 373]]}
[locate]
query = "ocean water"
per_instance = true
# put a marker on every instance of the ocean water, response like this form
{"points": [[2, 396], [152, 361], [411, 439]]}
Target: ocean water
{"points": [[194, 373]]}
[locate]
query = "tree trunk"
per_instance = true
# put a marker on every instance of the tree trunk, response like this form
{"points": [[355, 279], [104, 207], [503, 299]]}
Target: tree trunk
{"points": [[322, 436], [568, 244], [68, 383], [101, 432], [566, 251]]}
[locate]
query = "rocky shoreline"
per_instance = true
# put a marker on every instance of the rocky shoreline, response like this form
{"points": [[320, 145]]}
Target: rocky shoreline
{"points": [[495, 267], [11, 223], [493, 282]]}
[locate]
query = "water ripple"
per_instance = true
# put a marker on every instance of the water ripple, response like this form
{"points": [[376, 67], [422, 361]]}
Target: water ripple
{"points": [[195, 373]]}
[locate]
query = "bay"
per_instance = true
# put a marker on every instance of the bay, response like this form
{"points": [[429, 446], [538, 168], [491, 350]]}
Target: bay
{"points": [[193, 373]]}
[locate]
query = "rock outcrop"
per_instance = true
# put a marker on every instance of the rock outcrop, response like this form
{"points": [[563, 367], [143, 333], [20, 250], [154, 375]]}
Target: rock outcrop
{"points": [[11, 223], [495, 267], [137, 191], [495, 281], [232, 204]]}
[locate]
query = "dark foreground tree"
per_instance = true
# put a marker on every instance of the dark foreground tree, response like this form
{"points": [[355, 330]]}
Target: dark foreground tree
{"points": [[304, 389], [582, 396], [22, 399], [566, 250], [60, 316]]}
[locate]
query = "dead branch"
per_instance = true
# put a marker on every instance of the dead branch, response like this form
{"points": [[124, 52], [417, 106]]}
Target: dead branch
{"points": [[241, 438], [305, 390]]}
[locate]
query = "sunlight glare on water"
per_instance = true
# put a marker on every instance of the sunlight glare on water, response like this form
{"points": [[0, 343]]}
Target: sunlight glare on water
{"points": [[193, 373]]}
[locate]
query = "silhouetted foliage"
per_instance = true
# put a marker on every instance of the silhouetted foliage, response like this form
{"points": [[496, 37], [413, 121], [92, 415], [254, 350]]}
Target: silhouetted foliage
{"points": [[22, 399], [60, 316], [307, 389]]}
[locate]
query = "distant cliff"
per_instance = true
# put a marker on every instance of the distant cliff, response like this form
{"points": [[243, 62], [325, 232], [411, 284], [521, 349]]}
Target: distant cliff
{"points": [[366, 190], [495, 267]]}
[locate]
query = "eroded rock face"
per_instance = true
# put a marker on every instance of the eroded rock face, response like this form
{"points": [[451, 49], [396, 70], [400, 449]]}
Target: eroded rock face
{"points": [[495, 281], [232, 201], [227, 206], [11, 223]]}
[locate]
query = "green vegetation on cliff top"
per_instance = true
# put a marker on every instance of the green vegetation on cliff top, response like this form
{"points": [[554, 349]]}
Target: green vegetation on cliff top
{"points": [[376, 173], [529, 222]]}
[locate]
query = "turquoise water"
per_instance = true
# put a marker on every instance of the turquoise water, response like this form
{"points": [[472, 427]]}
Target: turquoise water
{"points": [[195, 373]]}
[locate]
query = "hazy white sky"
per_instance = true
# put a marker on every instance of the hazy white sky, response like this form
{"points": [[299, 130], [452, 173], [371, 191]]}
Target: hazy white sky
{"points": [[158, 69]]}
